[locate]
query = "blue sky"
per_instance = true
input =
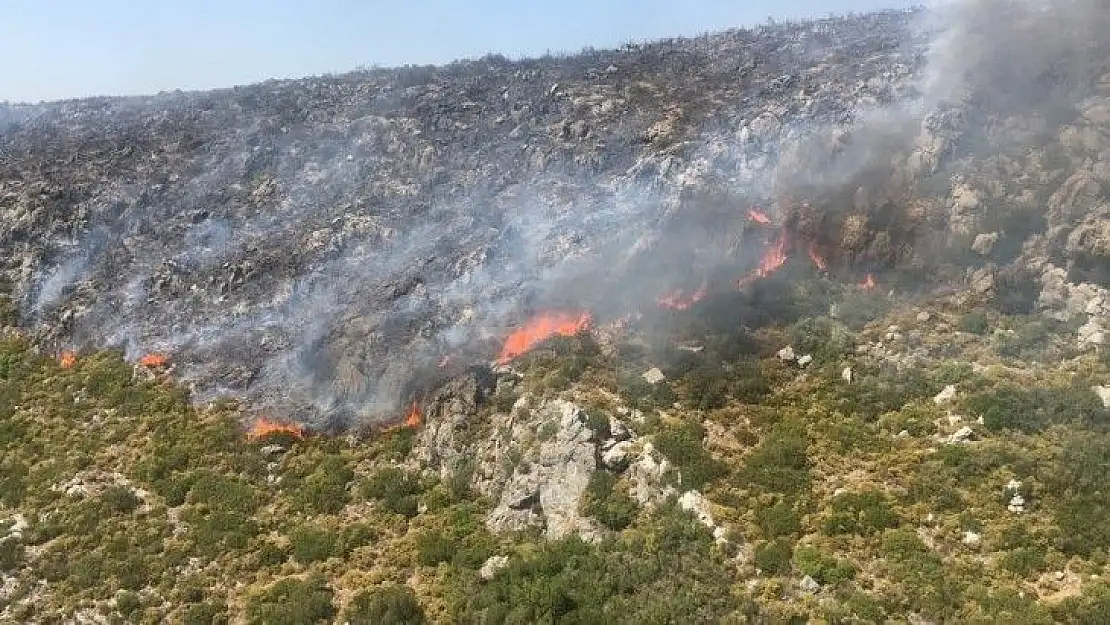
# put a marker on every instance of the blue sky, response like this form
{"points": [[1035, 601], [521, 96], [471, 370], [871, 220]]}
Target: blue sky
{"points": [[55, 49]]}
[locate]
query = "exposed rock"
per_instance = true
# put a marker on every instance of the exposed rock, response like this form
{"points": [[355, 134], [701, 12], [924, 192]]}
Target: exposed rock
{"points": [[272, 450], [946, 395], [654, 376], [984, 243], [1103, 393], [617, 457], [1090, 335], [962, 435], [805, 360], [547, 490], [846, 375], [1017, 504], [972, 539], [695, 502], [491, 566], [923, 316], [786, 354], [808, 584]]}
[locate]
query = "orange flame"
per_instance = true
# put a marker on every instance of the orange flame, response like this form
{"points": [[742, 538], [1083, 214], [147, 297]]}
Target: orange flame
{"points": [[815, 256], [675, 299], [67, 359], [773, 258], [869, 283], [540, 329], [154, 360], [415, 416], [263, 426], [759, 216]]}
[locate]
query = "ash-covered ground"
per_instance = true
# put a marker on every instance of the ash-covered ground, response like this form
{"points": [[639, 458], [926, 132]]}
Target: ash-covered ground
{"points": [[329, 248]]}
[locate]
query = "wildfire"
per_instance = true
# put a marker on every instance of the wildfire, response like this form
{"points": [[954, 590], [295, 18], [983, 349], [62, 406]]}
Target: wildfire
{"points": [[759, 216], [868, 283], [154, 360], [773, 258], [67, 359], [676, 299], [815, 256], [539, 329], [263, 426], [415, 416]]}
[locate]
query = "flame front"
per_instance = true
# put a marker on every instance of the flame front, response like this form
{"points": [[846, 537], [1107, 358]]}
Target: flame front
{"points": [[759, 216], [67, 359], [540, 329], [154, 360], [868, 283], [773, 258], [815, 256], [263, 426], [415, 416], [676, 299]]}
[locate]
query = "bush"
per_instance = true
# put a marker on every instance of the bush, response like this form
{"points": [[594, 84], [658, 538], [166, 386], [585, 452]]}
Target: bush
{"points": [[127, 602], [1024, 561], [11, 554], [610, 506], [780, 464], [681, 443], [434, 546], [864, 513], [773, 557], [119, 500], [1030, 410], [974, 322], [395, 605], [396, 489], [928, 587], [779, 520], [823, 569], [324, 491], [292, 601], [1015, 293], [310, 544]]}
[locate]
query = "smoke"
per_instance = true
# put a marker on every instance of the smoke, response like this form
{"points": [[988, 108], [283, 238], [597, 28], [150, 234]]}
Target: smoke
{"points": [[322, 276]]}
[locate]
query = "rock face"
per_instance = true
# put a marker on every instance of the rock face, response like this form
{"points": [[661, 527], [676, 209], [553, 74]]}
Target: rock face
{"points": [[547, 490]]}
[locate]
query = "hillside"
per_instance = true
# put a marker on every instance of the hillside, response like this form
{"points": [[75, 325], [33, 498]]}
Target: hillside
{"points": [[797, 323]]}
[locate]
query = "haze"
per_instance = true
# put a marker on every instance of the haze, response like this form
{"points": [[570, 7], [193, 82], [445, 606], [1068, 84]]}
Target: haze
{"points": [[71, 48]]}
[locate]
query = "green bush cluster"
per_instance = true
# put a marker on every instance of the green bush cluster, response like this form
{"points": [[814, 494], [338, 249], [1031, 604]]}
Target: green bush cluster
{"points": [[396, 489], [864, 513], [681, 443], [1031, 409], [823, 568], [608, 502], [293, 601], [392, 604], [779, 464]]}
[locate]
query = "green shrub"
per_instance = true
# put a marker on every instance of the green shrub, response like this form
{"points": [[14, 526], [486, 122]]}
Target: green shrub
{"points": [[1024, 561], [859, 309], [119, 500], [779, 519], [127, 602], [324, 491], [206, 613], [822, 338], [612, 507], [773, 557], [311, 544], [928, 586], [391, 604], [396, 489], [1015, 293], [435, 546], [681, 443], [825, 570], [864, 513], [292, 601], [1030, 410], [11, 554], [779, 463], [974, 322]]}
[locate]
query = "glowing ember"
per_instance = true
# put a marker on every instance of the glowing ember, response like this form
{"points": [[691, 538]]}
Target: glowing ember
{"points": [[154, 360], [676, 299], [67, 359], [263, 427], [540, 329], [759, 216], [415, 417], [815, 256], [869, 283]]}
